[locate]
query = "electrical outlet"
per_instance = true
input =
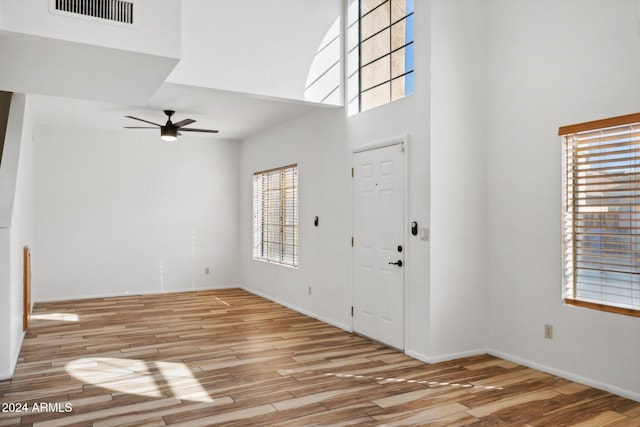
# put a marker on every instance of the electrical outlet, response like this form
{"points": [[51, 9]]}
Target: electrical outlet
{"points": [[206, 270], [548, 332]]}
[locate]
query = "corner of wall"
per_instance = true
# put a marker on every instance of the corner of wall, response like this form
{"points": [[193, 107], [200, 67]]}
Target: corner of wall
{"points": [[16, 228], [10, 158], [5, 103], [6, 367]]}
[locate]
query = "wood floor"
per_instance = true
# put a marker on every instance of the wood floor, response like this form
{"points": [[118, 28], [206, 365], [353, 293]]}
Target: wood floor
{"points": [[229, 358]]}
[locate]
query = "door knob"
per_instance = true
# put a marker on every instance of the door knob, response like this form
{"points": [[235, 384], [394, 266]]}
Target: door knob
{"points": [[398, 263]]}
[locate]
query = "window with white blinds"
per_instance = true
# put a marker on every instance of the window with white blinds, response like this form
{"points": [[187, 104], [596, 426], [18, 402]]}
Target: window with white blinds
{"points": [[275, 215], [601, 223]]}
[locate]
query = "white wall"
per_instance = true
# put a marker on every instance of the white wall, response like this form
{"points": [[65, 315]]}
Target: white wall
{"points": [[17, 174], [316, 142], [458, 184], [552, 63], [247, 46], [493, 85], [7, 363], [322, 144], [69, 56], [156, 31], [122, 212]]}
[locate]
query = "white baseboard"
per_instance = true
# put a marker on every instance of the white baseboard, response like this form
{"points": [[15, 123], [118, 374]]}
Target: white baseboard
{"points": [[568, 375], [133, 293], [299, 310], [525, 362], [444, 357]]}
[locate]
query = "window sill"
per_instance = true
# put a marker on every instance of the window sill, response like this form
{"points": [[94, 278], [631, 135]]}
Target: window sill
{"points": [[603, 307], [266, 261]]}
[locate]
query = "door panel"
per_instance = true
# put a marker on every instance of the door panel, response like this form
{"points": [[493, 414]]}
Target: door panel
{"points": [[378, 287]]}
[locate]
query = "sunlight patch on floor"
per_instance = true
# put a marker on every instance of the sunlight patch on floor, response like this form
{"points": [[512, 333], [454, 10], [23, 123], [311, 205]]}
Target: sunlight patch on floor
{"points": [[151, 379], [384, 380], [221, 301], [65, 317]]}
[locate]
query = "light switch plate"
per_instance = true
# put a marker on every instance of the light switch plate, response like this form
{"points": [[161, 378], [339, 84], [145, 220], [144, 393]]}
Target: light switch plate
{"points": [[424, 234]]}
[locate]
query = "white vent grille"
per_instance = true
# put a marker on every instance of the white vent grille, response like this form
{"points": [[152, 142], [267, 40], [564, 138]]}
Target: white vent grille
{"points": [[111, 10]]}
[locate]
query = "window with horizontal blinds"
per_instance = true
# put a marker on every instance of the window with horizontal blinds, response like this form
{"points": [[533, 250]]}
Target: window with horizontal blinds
{"points": [[275, 215], [601, 224]]}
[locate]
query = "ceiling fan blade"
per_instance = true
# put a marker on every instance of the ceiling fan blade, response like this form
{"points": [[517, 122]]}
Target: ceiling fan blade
{"points": [[198, 130], [142, 120], [139, 127], [184, 123]]}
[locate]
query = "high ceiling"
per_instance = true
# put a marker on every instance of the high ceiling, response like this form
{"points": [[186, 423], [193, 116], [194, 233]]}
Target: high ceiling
{"points": [[235, 115], [240, 79]]}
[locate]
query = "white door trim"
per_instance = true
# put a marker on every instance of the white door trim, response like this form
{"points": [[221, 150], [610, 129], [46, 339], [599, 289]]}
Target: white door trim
{"points": [[380, 144], [404, 142]]}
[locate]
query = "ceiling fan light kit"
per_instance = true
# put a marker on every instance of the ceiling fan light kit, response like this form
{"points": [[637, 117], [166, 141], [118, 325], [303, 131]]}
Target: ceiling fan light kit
{"points": [[170, 130], [168, 134]]}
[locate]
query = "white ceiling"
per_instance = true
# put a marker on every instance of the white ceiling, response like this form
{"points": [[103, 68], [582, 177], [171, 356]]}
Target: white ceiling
{"points": [[236, 115], [239, 88], [254, 46]]}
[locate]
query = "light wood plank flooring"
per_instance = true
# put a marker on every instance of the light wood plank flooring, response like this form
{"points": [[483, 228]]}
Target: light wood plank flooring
{"points": [[229, 358]]}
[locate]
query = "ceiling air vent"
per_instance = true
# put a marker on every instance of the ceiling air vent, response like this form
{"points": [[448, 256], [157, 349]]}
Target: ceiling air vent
{"points": [[111, 10]]}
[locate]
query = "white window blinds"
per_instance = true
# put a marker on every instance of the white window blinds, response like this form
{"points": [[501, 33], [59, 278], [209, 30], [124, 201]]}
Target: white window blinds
{"points": [[601, 223], [275, 215]]}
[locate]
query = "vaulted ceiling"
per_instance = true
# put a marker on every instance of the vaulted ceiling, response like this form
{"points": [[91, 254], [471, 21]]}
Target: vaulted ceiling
{"points": [[240, 67]]}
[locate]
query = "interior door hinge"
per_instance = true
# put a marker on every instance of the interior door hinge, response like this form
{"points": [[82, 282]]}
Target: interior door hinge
{"points": [[351, 241], [353, 173], [351, 311]]}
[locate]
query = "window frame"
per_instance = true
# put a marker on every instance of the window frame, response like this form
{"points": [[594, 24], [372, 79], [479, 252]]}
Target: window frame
{"points": [[581, 149], [275, 216], [355, 74]]}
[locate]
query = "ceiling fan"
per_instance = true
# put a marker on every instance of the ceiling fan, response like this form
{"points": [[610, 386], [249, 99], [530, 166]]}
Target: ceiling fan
{"points": [[170, 131]]}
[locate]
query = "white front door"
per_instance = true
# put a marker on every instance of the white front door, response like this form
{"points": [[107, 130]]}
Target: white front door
{"points": [[378, 246]]}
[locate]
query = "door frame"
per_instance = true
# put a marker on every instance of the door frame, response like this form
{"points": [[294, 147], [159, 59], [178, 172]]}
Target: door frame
{"points": [[403, 141]]}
